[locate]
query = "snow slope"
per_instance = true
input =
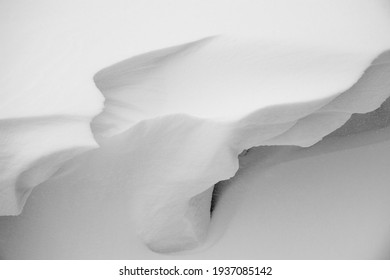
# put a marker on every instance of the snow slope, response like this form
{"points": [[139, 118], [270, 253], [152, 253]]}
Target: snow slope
{"points": [[332, 202], [174, 120], [186, 113]]}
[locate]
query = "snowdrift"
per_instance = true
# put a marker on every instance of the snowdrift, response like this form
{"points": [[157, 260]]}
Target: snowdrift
{"points": [[184, 114], [175, 120]]}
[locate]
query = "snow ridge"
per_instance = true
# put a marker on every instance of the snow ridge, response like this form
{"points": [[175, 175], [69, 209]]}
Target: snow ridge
{"points": [[185, 113]]}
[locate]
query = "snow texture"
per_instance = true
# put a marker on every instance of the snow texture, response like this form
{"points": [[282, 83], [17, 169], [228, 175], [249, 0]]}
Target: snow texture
{"points": [[176, 119], [186, 113]]}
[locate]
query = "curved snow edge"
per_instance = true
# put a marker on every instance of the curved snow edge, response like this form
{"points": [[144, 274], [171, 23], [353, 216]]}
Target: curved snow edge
{"points": [[33, 149], [187, 155]]}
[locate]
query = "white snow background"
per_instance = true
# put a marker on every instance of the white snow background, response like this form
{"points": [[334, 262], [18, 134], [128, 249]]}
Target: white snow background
{"points": [[118, 117]]}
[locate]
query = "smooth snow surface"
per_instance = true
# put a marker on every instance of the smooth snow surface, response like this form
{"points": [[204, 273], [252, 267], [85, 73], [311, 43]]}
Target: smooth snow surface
{"points": [[244, 95], [189, 88], [225, 79], [332, 202], [32, 150]]}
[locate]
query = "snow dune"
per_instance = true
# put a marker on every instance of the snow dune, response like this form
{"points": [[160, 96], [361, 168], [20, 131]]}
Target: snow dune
{"points": [[177, 112], [186, 113], [331, 202], [32, 150]]}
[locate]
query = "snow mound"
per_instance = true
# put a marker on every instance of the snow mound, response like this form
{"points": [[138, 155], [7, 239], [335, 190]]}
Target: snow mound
{"points": [[184, 114], [176, 119], [32, 150]]}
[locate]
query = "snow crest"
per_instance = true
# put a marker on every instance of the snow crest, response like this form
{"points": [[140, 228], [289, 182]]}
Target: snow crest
{"points": [[182, 115], [32, 150]]}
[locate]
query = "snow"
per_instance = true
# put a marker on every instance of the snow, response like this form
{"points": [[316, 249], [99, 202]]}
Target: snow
{"points": [[176, 115], [32, 150], [247, 74], [300, 204], [239, 93], [306, 213]]}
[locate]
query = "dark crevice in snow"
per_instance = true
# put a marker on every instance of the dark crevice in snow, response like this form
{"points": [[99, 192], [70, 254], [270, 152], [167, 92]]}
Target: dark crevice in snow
{"points": [[214, 197], [219, 187]]}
